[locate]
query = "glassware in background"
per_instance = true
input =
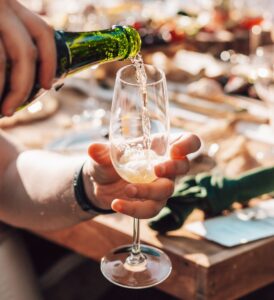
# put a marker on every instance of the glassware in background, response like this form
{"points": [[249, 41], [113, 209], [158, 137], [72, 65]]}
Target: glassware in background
{"points": [[85, 15], [263, 73], [76, 15], [90, 17], [82, 15], [138, 266], [57, 12], [248, 12], [160, 9], [255, 16], [37, 6], [91, 112]]}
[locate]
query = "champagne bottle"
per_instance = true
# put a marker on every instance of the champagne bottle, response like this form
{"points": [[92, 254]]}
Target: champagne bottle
{"points": [[80, 50]]}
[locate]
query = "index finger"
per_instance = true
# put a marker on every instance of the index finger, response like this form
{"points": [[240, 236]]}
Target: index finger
{"points": [[160, 189], [138, 209]]}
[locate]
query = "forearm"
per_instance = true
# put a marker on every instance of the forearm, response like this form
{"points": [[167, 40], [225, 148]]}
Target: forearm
{"points": [[37, 192]]}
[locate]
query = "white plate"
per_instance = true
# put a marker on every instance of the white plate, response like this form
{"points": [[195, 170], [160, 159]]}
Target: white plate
{"points": [[77, 142]]}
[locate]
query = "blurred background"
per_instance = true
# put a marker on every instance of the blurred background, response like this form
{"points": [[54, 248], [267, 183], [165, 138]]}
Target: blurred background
{"points": [[218, 59], [218, 74]]}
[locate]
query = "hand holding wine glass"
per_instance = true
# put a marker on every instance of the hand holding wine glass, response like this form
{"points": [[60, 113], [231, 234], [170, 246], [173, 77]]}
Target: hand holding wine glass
{"points": [[140, 201], [141, 175], [111, 191]]}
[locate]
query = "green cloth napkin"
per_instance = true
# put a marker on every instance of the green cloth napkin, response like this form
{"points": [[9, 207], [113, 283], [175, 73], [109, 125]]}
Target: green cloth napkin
{"points": [[212, 194]]}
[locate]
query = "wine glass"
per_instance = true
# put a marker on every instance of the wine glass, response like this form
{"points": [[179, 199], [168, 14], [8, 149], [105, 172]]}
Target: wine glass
{"points": [[139, 139], [263, 63]]}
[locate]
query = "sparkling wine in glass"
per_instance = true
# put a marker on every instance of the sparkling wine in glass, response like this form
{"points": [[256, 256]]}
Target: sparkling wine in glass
{"points": [[139, 134]]}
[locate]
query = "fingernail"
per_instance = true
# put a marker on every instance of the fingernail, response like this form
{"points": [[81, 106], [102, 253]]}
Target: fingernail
{"points": [[9, 112], [176, 152], [116, 206], [131, 190], [102, 152], [97, 151]]}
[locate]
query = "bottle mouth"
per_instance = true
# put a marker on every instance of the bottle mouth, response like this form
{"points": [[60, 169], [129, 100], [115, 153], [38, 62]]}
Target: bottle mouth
{"points": [[134, 40]]}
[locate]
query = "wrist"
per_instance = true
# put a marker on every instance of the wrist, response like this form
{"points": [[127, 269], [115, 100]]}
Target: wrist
{"points": [[84, 187]]}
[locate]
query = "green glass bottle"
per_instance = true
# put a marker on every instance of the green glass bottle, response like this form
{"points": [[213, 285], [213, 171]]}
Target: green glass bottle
{"points": [[79, 50]]}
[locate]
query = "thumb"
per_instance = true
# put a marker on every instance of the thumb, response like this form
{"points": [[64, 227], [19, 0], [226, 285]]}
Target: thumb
{"points": [[99, 152]]}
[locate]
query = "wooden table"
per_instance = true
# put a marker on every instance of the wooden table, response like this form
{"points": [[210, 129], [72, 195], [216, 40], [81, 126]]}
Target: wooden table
{"points": [[201, 269]]}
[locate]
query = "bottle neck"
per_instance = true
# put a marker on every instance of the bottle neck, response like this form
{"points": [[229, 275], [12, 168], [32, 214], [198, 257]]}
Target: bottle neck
{"points": [[84, 49], [63, 56]]}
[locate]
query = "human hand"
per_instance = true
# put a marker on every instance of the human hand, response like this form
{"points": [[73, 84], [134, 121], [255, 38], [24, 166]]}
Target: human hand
{"points": [[25, 40], [142, 201]]}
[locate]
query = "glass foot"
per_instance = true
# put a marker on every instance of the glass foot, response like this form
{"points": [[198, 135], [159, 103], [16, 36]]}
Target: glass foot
{"points": [[153, 269]]}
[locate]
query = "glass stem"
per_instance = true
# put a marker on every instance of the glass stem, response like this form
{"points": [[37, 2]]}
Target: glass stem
{"points": [[136, 249], [136, 257]]}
